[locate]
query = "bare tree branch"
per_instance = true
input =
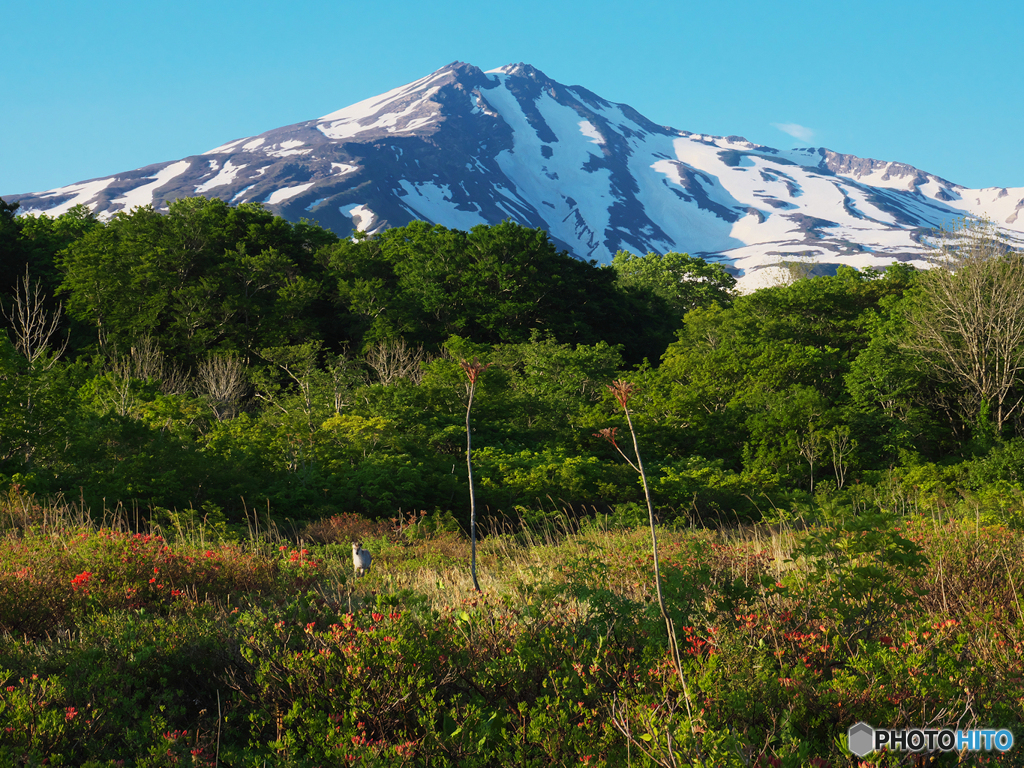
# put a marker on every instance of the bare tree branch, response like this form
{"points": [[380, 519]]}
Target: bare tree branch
{"points": [[34, 326], [969, 324], [393, 360], [222, 379]]}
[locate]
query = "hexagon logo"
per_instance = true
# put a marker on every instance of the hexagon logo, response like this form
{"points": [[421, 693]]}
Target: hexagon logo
{"points": [[860, 739]]}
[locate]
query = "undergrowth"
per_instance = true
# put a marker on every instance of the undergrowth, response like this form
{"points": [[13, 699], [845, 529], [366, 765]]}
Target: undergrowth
{"points": [[202, 646]]}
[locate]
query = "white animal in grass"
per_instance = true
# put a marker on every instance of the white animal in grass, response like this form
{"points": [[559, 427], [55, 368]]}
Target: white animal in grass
{"points": [[361, 559]]}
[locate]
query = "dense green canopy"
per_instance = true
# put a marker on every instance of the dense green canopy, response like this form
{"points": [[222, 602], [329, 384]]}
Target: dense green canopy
{"points": [[220, 357]]}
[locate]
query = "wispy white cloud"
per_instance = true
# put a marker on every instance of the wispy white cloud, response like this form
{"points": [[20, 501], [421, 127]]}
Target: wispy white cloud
{"points": [[796, 131]]}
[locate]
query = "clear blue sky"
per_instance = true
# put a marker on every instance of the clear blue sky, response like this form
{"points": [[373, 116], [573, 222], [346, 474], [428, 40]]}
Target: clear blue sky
{"points": [[94, 88]]}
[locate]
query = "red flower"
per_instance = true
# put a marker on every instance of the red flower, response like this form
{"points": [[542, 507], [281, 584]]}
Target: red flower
{"points": [[81, 580], [474, 369], [622, 390]]}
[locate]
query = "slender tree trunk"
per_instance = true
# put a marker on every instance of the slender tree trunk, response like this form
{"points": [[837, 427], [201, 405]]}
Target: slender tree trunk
{"points": [[473, 371], [472, 494]]}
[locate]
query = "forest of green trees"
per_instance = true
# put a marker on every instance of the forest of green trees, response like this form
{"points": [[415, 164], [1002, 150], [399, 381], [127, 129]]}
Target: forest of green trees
{"points": [[215, 359]]}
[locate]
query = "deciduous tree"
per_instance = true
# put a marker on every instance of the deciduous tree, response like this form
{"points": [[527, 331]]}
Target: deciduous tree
{"points": [[968, 323]]}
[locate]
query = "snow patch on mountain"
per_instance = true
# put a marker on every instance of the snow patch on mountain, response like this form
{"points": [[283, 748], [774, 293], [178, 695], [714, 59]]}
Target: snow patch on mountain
{"points": [[65, 198], [434, 202], [289, 148], [578, 192], [587, 129], [405, 116], [225, 176], [145, 194], [286, 193], [363, 219]]}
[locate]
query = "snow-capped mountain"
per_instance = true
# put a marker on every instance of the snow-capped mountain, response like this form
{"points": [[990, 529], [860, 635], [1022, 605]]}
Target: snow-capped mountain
{"points": [[462, 147]]}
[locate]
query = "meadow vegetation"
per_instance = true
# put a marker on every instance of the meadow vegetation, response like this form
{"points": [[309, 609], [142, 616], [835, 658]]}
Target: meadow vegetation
{"points": [[202, 647]]}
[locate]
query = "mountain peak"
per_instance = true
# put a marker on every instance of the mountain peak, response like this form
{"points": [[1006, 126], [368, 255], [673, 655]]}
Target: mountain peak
{"points": [[521, 70], [461, 147]]}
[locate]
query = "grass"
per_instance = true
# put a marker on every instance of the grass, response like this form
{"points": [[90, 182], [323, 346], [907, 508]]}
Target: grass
{"points": [[206, 646]]}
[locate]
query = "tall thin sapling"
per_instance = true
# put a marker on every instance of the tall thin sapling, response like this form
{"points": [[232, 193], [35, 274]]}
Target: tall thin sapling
{"points": [[623, 391], [473, 371]]}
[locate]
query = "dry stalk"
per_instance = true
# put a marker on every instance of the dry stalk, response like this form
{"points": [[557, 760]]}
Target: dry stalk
{"points": [[623, 391], [473, 371]]}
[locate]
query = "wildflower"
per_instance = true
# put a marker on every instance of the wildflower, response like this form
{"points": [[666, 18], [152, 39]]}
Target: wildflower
{"points": [[622, 390], [406, 749], [474, 369], [70, 713], [81, 580]]}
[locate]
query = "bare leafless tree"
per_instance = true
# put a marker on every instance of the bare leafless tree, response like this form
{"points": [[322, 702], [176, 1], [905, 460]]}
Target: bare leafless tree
{"points": [[809, 444], [396, 359], [968, 326], [144, 361], [222, 378], [33, 324], [345, 375], [842, 446]]}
